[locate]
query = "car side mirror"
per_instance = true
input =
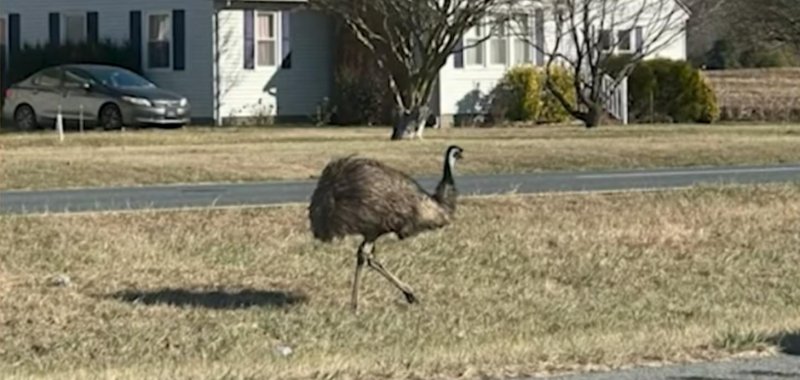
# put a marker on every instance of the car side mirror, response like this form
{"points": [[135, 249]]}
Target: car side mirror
{"points": [[87, 86]]}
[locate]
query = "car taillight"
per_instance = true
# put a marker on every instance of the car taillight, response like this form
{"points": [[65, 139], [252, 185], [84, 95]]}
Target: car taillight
{"points": [[8, 93]]}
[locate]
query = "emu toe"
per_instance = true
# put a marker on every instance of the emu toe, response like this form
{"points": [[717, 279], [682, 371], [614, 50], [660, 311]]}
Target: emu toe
{"points": [[410, 297]]}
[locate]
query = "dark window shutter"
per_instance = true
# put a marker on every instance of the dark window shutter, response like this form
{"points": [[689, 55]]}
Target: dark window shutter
{"points": [[639, 39], [55, 28], [92, 35], [14, 38], [249, 39], [179, 39], [286, 40], [135, 35], [458, 54], [538, 31]]}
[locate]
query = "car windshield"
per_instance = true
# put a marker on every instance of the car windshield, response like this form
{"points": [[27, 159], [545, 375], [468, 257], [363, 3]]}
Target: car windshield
{"points": [[119, 78]]}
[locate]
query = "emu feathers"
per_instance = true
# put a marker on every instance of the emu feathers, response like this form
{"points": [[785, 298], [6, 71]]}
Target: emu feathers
{"points": [[363, 196]]}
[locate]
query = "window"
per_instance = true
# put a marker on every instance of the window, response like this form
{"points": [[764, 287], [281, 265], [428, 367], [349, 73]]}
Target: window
{"points": [[76, 79], [498, 43], [605, 40], [474, 46], [562, 14], [624, 40], [158, 41], [266, 45], [48, 78], [117, 77], [522, 43], [74, 28]]}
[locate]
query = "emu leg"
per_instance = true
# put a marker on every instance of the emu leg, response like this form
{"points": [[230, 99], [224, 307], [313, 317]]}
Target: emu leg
{"points": [[361, 257], [374, 264]]}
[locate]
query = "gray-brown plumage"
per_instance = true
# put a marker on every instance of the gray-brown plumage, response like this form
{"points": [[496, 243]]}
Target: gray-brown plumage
{"points": [[363, 196]]}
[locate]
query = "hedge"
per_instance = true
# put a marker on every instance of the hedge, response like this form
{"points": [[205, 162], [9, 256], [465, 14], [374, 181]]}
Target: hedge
{"points": [[522, 95], [728, 53], [519, 94], [32, 58], [552, 111], [664, 90]]}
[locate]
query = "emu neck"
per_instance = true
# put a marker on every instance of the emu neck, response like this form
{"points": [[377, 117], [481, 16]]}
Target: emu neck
{"points": [[446, 190]]}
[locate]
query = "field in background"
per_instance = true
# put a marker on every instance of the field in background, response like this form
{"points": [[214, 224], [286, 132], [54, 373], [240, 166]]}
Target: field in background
{"points": [[39, 161], [771, 95], [517, 285]]}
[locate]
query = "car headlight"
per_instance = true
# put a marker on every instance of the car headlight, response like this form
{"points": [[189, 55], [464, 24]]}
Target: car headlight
{"points": [[184, 102], [137, 101]]}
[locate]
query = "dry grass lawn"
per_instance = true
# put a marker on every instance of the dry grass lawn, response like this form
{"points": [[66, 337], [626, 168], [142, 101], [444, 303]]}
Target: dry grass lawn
{"points": [[38, 161], [517, 285]]}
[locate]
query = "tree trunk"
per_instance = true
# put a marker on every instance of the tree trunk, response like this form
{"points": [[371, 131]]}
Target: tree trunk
{"points": [[593, 116], [402, 121], [421, 119], [410, 121]]}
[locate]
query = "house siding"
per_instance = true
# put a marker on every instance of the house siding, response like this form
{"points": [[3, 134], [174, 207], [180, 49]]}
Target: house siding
{"points": [[464, 90], [283, 93], [194, 81]]}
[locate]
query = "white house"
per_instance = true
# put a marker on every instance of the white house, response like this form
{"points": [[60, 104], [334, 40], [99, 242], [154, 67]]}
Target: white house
{"points": [[245, 58], [654, 26]]}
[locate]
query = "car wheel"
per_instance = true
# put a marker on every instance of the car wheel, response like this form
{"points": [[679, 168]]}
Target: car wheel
{"points": [[25, 118], [110, 117]]}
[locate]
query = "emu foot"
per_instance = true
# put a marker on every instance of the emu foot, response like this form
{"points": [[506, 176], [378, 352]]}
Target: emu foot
{"points": [[410, 297]]}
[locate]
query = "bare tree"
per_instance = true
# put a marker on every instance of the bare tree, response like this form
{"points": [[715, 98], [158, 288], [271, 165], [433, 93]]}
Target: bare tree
{"points": [[411, 41], [585, 35]]}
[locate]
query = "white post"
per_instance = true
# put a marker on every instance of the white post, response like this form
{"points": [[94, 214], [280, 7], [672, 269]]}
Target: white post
{"points": [[60, 124], [624, 101], [80, 118]]}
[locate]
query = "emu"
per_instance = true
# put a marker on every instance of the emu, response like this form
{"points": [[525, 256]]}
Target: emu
{"points": [[363, 196]]}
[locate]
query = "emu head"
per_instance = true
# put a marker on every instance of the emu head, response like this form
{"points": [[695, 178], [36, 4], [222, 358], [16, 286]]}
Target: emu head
{"points": [[454, 153]]}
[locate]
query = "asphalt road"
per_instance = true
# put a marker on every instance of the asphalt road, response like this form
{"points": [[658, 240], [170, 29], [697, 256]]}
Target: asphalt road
{"points": [[781, 367], [264, 193]]}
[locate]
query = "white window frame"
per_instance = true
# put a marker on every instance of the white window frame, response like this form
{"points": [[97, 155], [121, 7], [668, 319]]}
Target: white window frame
{"points": [[63, 27], [618, 45], [495, 37], [146, 40], [476, 33], [523, 36], [276, 20]]}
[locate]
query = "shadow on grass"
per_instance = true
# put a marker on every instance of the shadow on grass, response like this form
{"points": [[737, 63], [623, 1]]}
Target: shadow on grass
{"points": [[788, 343], [217, 299]]}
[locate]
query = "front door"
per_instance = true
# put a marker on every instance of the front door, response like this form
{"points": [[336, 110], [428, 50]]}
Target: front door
{"points": [[78, 100]]}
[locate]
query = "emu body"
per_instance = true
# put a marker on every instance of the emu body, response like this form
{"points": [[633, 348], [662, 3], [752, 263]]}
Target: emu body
{"points": [[363, 196]]}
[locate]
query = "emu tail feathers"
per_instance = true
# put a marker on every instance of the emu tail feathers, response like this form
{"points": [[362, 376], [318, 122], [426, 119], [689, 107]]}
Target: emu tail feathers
{"points": [[322, 209]]}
